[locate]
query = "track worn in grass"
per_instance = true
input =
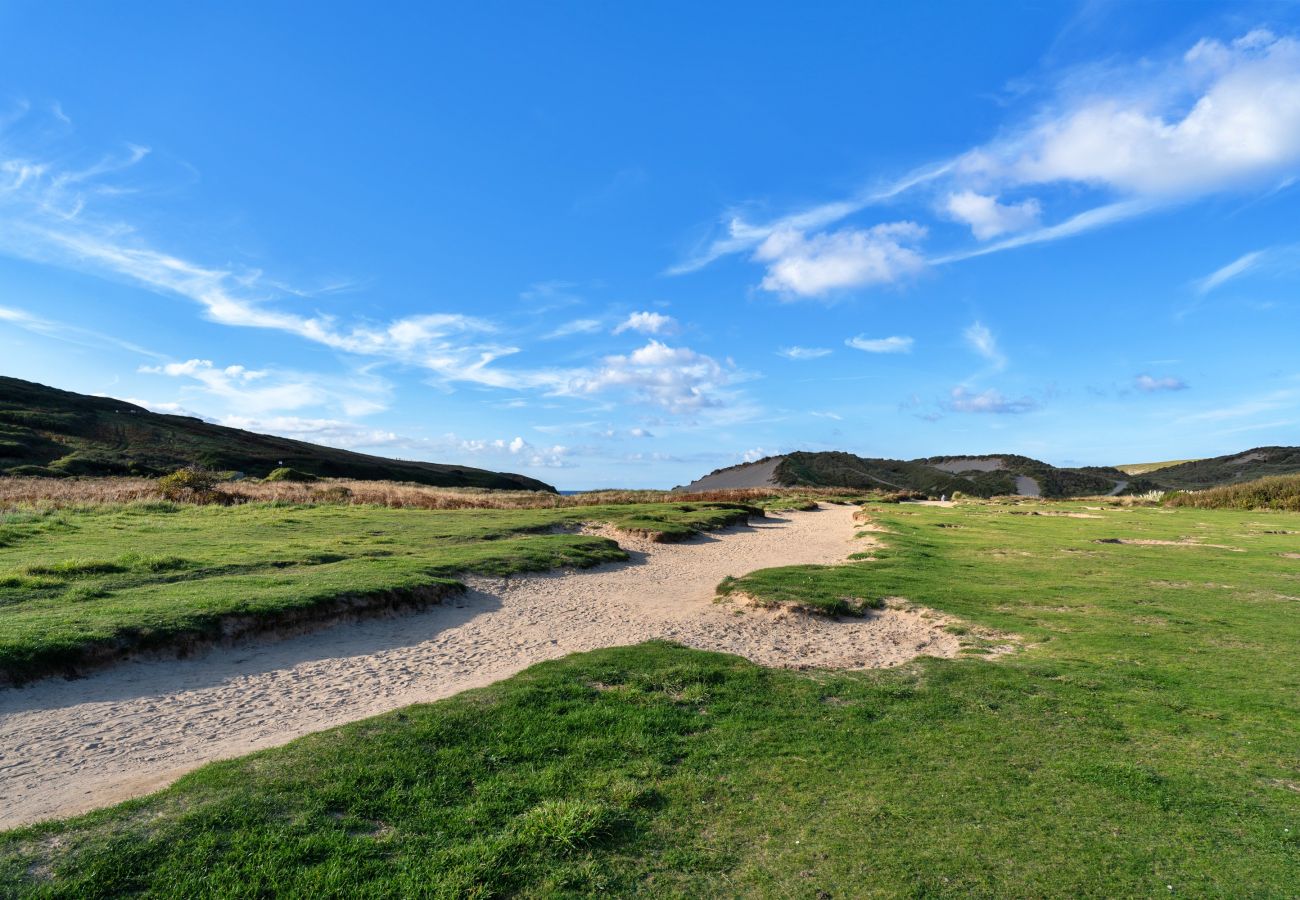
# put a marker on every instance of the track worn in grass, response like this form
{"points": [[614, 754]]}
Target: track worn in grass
{"points": [[1143, 744]]}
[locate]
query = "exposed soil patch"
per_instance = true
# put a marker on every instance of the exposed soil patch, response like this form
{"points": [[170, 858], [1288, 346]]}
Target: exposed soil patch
{"points": [[1148, 542]]}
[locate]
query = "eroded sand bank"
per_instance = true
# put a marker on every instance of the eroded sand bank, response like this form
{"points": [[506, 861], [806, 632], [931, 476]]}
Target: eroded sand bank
{"points": [[70, 746]]}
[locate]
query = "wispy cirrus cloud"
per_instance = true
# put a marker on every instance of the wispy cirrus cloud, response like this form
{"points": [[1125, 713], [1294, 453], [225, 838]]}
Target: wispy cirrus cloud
{"points": [[980, 339], [273, 390], [63, 216], [72, 334], [1151, 384], [894, 344], [990, 401], [1235, 269], [1131, 138], [804, 353]]}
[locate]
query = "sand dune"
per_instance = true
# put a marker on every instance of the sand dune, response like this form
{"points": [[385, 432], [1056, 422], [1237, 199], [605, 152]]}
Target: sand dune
{"points": [[70, 746]]}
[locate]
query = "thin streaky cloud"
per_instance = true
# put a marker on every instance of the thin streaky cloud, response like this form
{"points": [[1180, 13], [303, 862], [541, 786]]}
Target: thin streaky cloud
{"points": [[1235, 269]]}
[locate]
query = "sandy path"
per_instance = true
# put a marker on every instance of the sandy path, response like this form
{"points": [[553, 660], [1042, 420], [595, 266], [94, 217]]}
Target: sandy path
{"points": [[70, 746]]}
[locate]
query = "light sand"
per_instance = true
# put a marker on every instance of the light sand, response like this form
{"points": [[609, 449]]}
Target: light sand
{"points": [[70, 746]]}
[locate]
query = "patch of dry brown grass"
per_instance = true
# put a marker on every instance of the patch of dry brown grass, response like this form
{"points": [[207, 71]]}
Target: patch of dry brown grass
{"points": [[59, 493]]}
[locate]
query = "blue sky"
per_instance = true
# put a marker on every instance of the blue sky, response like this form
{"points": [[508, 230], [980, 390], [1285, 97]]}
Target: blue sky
{"points": [[622, 245]]}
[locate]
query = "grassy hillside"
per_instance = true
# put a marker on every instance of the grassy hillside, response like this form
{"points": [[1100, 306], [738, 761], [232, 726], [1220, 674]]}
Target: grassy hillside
{"points": [[1259, 462], [835, 469], [46, 431], [1146, 468], [1142, 743], [94, 583]]}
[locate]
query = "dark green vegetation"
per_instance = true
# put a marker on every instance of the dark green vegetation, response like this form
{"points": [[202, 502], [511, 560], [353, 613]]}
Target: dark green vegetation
{"points": [[1252, 464], [1277, 492], [84, 585], [975, 475], [834, 469], [45, 431], [1143, 743]]}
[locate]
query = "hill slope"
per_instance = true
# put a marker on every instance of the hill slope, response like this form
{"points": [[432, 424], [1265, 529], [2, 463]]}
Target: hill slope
{"points": [[982, 476], [46, 431], [999, 474], [1258, 462]]}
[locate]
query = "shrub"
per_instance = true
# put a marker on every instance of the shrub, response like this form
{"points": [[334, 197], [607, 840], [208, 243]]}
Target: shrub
{"points": [[284, 473], [1273, 492], [335, 493], [193, 484]]}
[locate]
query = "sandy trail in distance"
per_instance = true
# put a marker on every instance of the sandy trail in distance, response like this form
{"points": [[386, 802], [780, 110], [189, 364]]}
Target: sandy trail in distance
{"points": [[70, 746]]}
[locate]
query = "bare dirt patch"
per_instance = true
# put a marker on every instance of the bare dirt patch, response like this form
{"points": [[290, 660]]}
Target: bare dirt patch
{"points": [[1150, 542]]}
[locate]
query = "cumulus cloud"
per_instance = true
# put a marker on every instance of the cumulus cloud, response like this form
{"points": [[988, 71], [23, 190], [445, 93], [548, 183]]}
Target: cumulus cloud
{"points": [[980, 339], [1151, 384], [987, 217], [677, 379], [893, 344], [647, 323], [802, 266], [989, 401], [801, 353], [353, 436]]}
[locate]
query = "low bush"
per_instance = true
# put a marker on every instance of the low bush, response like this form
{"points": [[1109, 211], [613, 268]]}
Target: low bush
{"points": [[1274, 492], [193, 484]]}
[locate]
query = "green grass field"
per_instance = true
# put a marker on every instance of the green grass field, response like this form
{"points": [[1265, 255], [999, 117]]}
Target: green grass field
{"points": [[1143, 742], [100, 580]]}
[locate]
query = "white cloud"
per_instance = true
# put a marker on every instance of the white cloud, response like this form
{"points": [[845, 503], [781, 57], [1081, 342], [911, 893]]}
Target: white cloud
{"points": [[1130, 139], [1151, 384], [801, 353], [72, 334], [675, 378], [1223, 115], [171, 409], [264, 390], [893, 344], [981, 340], [1219, 277], [987, 217], [351, 436], [647, 323], [743, 235], [828, 415], [61, 215], [990, 401], [576, 326], [802, 266]]}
